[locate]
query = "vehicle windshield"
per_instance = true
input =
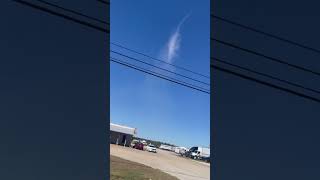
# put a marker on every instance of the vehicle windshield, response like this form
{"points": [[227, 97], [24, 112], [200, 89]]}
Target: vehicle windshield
{"points": [[193, 149], [151, 145]]}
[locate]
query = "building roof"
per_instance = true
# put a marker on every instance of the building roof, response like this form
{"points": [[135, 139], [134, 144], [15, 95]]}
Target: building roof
{"points": [[123, 129]]}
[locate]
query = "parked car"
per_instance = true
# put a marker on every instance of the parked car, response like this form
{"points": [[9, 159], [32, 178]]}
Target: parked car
{"points": [[151, 148], [138, 146]]}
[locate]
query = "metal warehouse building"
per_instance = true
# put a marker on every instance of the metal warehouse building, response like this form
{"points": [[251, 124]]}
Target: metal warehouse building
{"points": [[121, 135]]}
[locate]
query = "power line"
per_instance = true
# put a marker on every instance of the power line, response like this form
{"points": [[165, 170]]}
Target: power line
{"points": [[159, 67], [107, 31], [62, 15], [265, 83], [266, 34], [266, 75], [73, 11], [160, 76], [93, 26], [179, 67], [265, 56]]}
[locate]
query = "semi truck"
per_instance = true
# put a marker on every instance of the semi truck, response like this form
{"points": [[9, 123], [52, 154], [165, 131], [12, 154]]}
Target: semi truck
{"points": [[196, 152]]}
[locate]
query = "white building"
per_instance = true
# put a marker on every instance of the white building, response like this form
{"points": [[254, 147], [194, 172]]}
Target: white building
{"points": [[121, 135]]}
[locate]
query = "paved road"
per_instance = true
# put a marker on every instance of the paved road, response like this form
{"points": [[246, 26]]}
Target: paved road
{"points": [[169, 162]]}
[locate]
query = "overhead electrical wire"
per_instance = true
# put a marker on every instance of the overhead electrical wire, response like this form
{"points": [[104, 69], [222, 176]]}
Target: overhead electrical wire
{"points": [[266, 34], [160, 75], [266, 75], [92, 18], [70, 18], [178, 67], [219, 68], [107, 31], [266, 56], [135, 59], [73, 11]]}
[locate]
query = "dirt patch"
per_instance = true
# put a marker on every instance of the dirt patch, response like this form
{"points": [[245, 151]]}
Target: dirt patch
{"points": [[121, 169]]}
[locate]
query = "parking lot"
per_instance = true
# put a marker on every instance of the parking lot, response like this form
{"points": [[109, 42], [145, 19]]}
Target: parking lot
{"points": [[166, 161]]}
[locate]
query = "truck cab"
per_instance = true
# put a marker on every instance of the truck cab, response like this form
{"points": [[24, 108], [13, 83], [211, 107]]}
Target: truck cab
{"points": [[192, 153], [198, 153]]}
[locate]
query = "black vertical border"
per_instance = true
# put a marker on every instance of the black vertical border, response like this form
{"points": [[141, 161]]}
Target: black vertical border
{"points": [[52, 124], [212, 120], [107, 162]]}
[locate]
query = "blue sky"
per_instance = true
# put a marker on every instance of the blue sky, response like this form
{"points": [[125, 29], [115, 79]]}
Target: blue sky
{"points": [[178, 32]]}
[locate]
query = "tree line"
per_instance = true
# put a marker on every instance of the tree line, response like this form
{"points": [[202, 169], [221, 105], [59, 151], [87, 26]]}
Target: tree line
{"points": [[155, 143]]}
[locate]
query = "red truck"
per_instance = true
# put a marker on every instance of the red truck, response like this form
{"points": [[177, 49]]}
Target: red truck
{"points": [[138, 145]]}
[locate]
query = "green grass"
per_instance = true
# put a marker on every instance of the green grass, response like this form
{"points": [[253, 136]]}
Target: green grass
{"points": [[127, 170]]}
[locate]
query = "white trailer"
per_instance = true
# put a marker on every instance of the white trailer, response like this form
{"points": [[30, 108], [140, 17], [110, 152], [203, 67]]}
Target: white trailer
{"points": [[166, 147], [180, 150]]}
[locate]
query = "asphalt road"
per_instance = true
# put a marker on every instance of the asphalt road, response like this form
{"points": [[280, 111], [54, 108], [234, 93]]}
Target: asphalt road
{"points": [[169, 162]]}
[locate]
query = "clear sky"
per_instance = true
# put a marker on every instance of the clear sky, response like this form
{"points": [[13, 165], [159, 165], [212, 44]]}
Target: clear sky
{"points": [[178, 32]]}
